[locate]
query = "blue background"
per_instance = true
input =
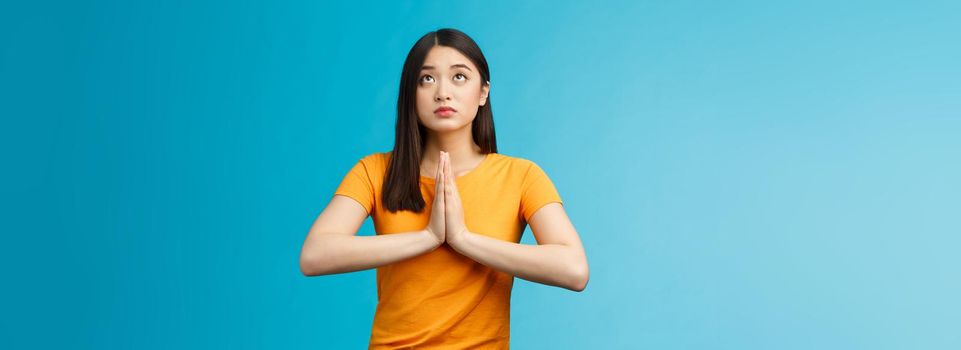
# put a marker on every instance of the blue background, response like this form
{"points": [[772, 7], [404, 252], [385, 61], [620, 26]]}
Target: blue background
{"points": [[744, 175]]}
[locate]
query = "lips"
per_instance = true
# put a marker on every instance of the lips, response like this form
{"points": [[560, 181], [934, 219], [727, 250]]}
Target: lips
{"points": [[444, 111]]}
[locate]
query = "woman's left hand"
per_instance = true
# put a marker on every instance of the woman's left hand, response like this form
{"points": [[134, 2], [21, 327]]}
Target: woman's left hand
{"points": [[456, 228]]}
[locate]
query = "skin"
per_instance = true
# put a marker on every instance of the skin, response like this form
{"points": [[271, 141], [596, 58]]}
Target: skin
{"points": [[449, 79]]}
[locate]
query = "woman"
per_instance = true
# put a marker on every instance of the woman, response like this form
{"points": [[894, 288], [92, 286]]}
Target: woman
{"points": [[446, 248]]}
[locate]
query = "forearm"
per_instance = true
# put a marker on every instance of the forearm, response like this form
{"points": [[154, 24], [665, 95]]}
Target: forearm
{"points": [[333, 253], [552, 264]]}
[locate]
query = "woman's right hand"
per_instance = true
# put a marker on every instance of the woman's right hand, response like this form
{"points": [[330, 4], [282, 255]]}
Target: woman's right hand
{"points": [[437, 225]]}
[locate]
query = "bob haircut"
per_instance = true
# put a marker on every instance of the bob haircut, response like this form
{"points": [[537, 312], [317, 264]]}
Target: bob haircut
{"points": [[402, 184]]}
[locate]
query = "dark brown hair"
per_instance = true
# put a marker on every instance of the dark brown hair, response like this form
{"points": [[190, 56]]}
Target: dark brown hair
{"points": [[402, 184]]}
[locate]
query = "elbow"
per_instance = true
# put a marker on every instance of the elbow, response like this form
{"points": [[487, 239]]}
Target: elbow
{"points": [[579, 278], [309, 265], [316, 259]]}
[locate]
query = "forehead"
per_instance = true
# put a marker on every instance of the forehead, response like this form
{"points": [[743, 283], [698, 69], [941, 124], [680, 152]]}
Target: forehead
{"points": [[442, 57]]}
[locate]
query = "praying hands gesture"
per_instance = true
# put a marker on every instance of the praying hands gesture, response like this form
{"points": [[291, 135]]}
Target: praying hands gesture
{"points": [[558, 258], [447, 215]]}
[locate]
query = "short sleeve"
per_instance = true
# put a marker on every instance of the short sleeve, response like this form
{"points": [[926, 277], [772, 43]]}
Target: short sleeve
{"points": [[537, 190], [358, 185]]}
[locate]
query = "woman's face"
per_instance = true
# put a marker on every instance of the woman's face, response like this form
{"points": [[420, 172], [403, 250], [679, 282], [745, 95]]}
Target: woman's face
{"points": [[449, 80]]}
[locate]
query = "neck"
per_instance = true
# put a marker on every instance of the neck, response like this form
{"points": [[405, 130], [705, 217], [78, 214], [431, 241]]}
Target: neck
{"points": [[464, 153]]}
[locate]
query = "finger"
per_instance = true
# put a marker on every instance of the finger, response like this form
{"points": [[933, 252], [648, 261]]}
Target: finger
{"points": [[447, 168], [453, 185], [437, 175], [443, 165], [447, 175], [440, 177], [451, 181]]}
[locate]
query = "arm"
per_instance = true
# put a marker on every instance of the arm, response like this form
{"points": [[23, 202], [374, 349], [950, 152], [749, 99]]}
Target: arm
{"points": [[332, 245], [558, 259]]}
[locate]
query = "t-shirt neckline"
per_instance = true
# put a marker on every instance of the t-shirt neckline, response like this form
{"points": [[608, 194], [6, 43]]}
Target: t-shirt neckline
{"points": [[484, 162]]}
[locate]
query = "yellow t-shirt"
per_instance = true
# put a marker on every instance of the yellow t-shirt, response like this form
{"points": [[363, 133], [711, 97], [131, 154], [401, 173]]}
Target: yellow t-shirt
{"points": [[442, 299]]}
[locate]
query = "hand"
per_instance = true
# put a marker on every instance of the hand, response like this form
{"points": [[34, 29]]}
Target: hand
{"points": [[456, 230], [437, 225]]}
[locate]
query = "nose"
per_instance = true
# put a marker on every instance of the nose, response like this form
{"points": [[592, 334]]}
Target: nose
{"points": [[441, 93]]}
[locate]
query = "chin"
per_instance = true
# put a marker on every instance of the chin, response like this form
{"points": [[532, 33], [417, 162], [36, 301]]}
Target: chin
{"points": [[444, 125]]}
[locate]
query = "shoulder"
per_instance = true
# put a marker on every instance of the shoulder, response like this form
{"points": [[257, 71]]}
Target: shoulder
{"points": [[376, 159], [517, 165], [504, 158], [374, 164]]}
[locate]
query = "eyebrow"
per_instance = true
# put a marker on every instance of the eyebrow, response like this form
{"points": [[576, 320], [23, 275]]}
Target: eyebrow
{"points": [[459, 65]]}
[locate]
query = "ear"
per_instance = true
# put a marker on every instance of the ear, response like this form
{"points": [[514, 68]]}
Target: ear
{"points": [[485, 91]]}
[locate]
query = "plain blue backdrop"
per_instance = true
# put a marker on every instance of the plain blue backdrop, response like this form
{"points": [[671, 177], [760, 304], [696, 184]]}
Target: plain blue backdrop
{"points": [[744, 174]]}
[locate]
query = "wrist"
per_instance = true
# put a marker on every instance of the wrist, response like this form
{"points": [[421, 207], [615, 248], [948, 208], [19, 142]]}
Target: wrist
{"points": [[461, 241], [431, 238]]}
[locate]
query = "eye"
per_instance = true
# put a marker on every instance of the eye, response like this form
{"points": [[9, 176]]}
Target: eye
{"points": [[460, 77], [426, 79]]}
